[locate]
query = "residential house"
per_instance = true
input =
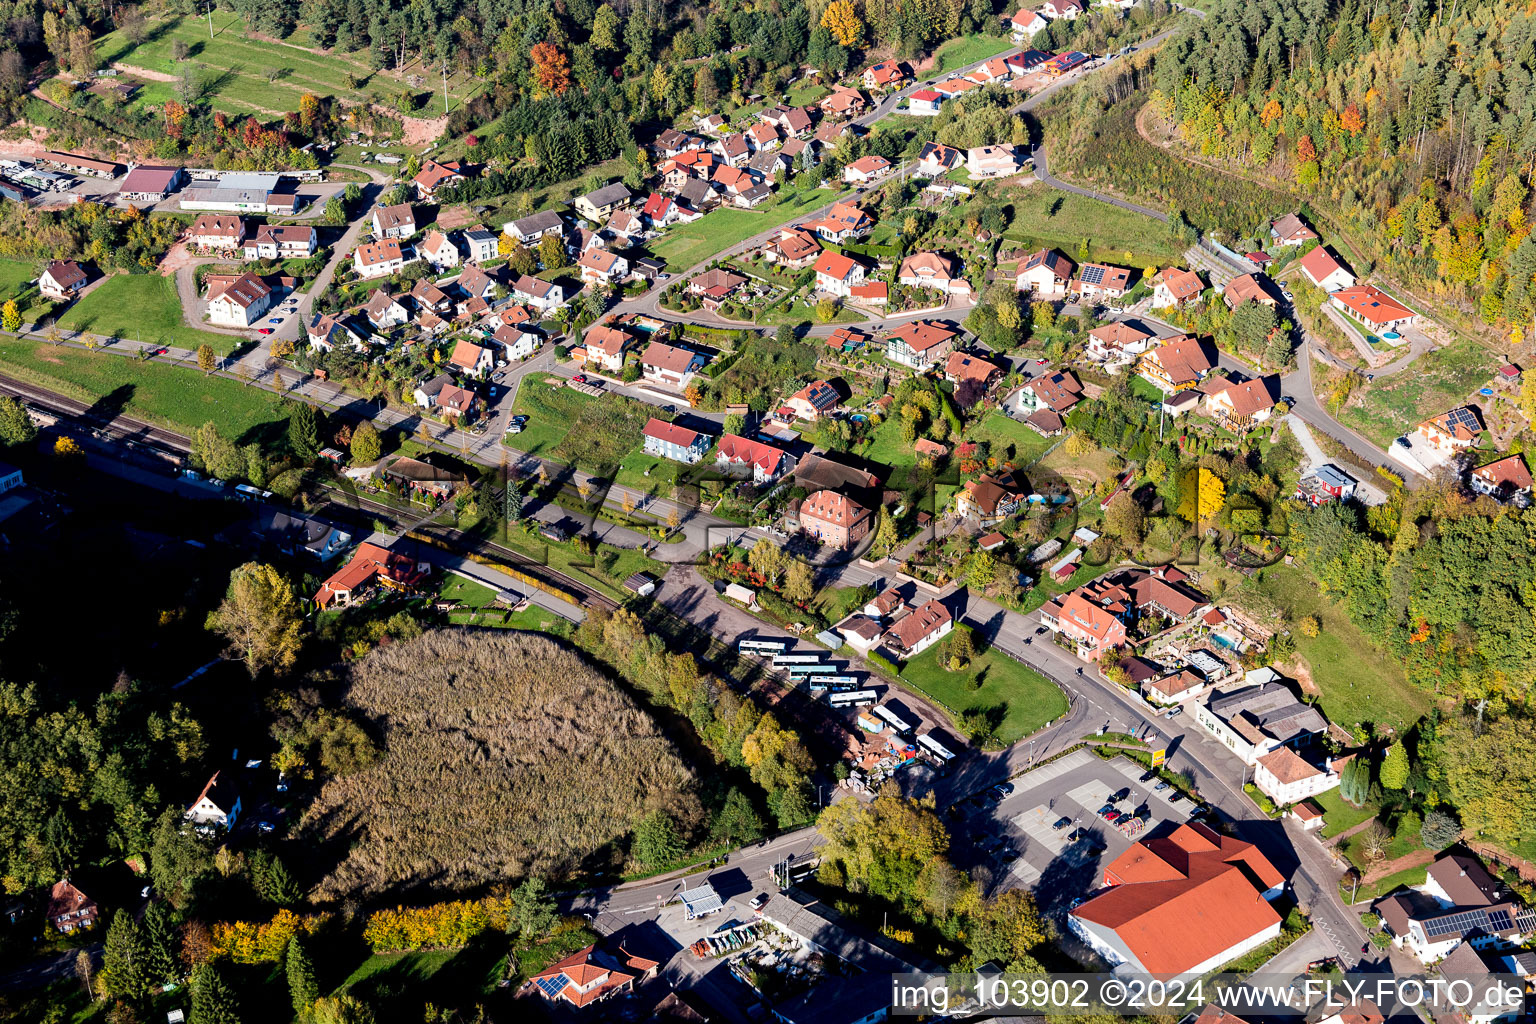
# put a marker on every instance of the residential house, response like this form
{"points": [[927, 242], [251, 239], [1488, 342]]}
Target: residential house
{"points": [[1181, 904], [919, 629], [1176, 287], [1102, 281], [994, 70], [591, 975], [1177, 363], [935, 159], [1507, 480], [475, 283], [659, 211], [989, 500], [1324, 483], [215, 231], [962, 367], [626, 225], [843, 221], [599, 205], [732, 181], [1026, 60], [670, 441], [439, 250], [10, 478], [920, 344], [606, 346], [762, 136], [518, 342], [472, 359], [378, 259], [1248, 288], [1026, 24], [372, 564], [458, 405], [669, 365], [1288, 778], [1254, 720], [1373, 307], [710, 122], [1451, 432], [1066, 9], [888, 74], [866, 169], [394, 221], [734, 149], [1489, 1000], [430, 298], [325, 330], [693, 198], [1117, 344], [1326, 271], [1459, 902], [932, 271], [601, 266], [544, 296], [834, 519], [147, 184], [830, 133], [870, 293], [427, 391], [282, 242], [799, 153], [1096, 628], [924, 103], [1174, 688], [1291, 230], [794, 247], [843, 103], [482, 243], [384, 311], [237, 301], [1083, 615], [295, 534], [767, 463], [672, 142], [1058, 392], [62, 280], [1046, 273], [812, 402], [69, 908], [715, 286], [992, 161], [217, 804], [793, 121], [528, 230], [1241, 406], [434, 176], [836, 274]]}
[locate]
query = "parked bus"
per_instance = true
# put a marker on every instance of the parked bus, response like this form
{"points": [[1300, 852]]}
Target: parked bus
{"points": [[246, 492], [900, 724], [762, 647], [935, 748], [780, 660], [856, 699], [810, 670], [836, 682]]}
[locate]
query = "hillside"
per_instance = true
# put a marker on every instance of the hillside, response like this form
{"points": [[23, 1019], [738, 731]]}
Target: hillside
{"points": [[504, 756]]}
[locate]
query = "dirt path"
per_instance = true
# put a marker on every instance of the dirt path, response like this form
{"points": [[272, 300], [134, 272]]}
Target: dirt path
{"points": [[1352, 830], [138, 72], [1417, 858]]}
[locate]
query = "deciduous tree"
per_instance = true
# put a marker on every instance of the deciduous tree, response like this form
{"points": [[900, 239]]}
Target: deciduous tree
{"points": [[261, 618]]}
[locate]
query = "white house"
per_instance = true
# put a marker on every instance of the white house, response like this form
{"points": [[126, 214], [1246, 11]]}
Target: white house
{"points": [[543, 296], [599, 266], [282, 242], [1287, 778], [384, 311], [472, 359], [394, 221], [1324, 270], [378, 259], [218, 804], [669, 365], [238, 301], [62, 280], [866, 169], [528, 230], [439, 250], [836, 274], [670, 441], [1047, 273], [482, 243], [519, 343]]}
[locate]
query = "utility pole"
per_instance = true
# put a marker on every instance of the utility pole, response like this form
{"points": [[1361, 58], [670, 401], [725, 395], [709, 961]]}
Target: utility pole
{"points": [[210, 19], [445, 86]]}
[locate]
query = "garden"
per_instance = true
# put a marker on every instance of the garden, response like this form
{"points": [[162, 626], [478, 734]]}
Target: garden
{"points": [[142, 307], [993, 700]]}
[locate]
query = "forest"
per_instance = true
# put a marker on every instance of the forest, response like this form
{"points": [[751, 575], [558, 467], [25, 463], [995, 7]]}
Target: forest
{"points": [[1413, 125]]}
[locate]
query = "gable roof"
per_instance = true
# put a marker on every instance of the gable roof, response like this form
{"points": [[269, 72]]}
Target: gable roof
{"points": [[668, 357], [922, 335], [1372, 304], [1119, 333], [395, 216], [606, 339], [244, 291], [947, 157], [1060, 391], [835, 265], [1244, 287], [1182, 284], [1059, 266], [1292, 226], [968, 367], [1252, 396], [66, 273], [1184, 359], [466, 354], [819, 394], [433, 174], [615, 193], [671, 433], [1288, 766], [832, 507], [1319, 263], [373, 253], [735, 448], [1509, 472]]}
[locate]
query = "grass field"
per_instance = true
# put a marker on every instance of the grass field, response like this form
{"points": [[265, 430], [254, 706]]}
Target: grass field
{"points": [[1010, 439], [141, 307], [248, 75], [685, 246], [1026, 699], [1355, 683], [957, 53], [1440, 380], [1339, 816], [1044, 216], [16, 282], [180, 398], [577, 429], [887, 447]]}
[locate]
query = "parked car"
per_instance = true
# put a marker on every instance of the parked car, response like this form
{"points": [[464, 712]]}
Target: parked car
{"points": [[1041, 630], [1111, 816], [758, 901], [1078, 834], [1160, 786], [1175, 712], [1061, 823], [580, 378], [1148, 775], [265, 826], [1003, 789], [275, 320], [1122, 793], [264, 330], [1176, 798], [1106, 807], [1198, 812], [1079, 901]]}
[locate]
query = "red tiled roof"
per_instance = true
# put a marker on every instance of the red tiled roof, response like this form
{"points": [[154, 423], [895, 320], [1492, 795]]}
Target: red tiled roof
{"points": [[834, 265], [834, 508], [1372, 304], [671, 432], [1182, 284], [735, 448]]}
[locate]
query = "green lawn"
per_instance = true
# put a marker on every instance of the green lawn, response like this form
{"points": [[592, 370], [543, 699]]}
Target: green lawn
{"points": [[141, 307], [476, 596], [1440, 380], [248, 75], [417, 966], [551, 409], [1007, 434], [663, 473], [1044, 216], [694, 243], [1026, 699], [1355, 682], [1339, 816], [887, 447], [181, 398], [16, 282], [957, 53]]}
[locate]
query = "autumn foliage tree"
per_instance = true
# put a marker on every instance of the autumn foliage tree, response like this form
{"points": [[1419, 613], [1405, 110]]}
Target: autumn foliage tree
{"points": [[841, 18], [260, 617], [551, 68]]}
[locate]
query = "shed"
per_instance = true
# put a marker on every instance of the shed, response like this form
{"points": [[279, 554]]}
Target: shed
{"points": [[642, 583], [743, 595]]}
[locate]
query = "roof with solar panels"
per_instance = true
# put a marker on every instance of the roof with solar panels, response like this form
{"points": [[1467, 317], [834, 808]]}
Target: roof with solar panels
{"points": [[591, 974]]}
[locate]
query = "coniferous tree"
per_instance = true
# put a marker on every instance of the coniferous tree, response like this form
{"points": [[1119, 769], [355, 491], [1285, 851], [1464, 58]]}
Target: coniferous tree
{"points": [[213, 1001], [122, 959], [158, 932], [303, 989]]}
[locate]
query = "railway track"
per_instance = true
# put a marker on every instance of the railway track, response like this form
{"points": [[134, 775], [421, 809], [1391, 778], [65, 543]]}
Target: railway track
{"points": [[169, 444]]}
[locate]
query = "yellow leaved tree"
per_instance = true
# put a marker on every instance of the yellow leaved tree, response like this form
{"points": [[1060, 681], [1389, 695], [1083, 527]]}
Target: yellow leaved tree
{"points": [[1201, 496], [841, 18]]}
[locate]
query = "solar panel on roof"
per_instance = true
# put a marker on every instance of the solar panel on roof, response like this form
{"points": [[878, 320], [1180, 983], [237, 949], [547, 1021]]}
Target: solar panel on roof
{"points": [[1093, 274], [1463, 416], [552, 987], [1500, 920]]}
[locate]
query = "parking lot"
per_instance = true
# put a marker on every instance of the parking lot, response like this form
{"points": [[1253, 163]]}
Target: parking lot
{"points": [[1047, 835]]}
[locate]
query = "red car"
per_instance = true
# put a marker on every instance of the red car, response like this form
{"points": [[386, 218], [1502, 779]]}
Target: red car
{"points": [[580, 378], [264, 330]]}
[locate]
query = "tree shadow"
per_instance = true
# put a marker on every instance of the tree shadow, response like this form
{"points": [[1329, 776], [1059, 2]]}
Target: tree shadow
{"points": [[111, 405]]}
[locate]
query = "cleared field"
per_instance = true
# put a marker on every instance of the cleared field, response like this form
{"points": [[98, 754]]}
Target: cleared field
{"points": [[1021, 699], [1440, 380], [180, 398], [263, 76], [141, 307], [1044, 216], [1010, 439], [697, 242], [957, 53]]}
